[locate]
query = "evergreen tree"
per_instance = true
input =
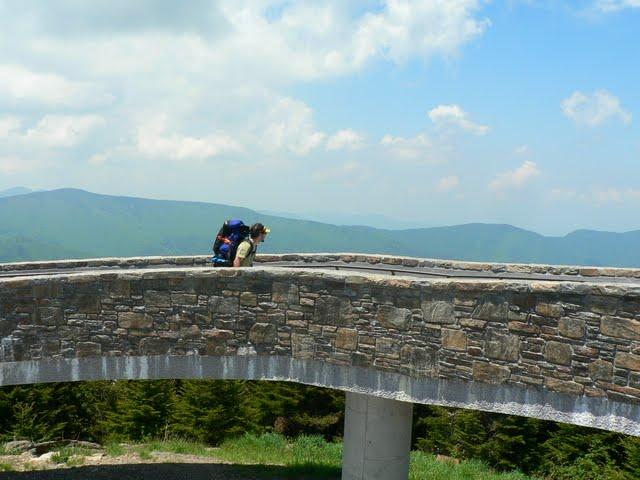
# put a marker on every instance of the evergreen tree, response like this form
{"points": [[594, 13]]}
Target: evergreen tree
{"points": [[210, 411]]}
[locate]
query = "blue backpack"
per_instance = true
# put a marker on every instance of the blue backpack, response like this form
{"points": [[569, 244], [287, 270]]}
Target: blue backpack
{"points": [[230, 235]]}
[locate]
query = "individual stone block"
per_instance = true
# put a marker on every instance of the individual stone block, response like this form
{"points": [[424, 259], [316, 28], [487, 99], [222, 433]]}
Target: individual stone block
{"points": [[135, 320], [392, 317], [223, 305], [571, 327], [302, 346], [502, 346], [153, 346], [248, 299], [218, 334], [551, 310], [331, 310], [620, 327], [601, 370], [88, 349], [419, 360], [346, 338], [563, 386], [387, 347], [283, 292], [153, 298], [490, 373], [120, 289], [184, 299], [628, 361], [454, 339], [263, 333], [492, 309], [50, 316], [557, 352], [438, 312]]}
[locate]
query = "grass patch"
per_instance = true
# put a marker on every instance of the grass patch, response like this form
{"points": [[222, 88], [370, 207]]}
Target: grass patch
{"points": [[70, 456], [310, 455], [426, 466], [6, 467]]}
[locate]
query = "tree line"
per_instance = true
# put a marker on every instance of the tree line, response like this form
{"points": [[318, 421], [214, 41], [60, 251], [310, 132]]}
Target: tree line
{"points": [[210, 411]]}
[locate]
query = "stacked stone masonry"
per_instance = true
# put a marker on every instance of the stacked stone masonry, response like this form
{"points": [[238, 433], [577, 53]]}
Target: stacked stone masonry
{"points": [[576, 339]]}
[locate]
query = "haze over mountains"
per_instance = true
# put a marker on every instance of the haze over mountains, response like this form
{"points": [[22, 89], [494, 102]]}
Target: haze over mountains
{"points": [[70, 223]]}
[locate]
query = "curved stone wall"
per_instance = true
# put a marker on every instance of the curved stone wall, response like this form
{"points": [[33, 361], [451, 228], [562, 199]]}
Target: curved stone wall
{"points": [[564, 351]]}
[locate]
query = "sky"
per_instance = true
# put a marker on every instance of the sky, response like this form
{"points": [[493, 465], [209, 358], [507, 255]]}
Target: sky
{"points": [[429, 112]]}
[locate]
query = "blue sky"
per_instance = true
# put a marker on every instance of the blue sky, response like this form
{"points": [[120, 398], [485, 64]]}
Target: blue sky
{"points": [[430, 111]]}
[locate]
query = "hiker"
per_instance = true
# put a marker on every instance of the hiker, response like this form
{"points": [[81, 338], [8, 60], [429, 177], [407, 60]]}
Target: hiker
{"points": [[247, 249]]}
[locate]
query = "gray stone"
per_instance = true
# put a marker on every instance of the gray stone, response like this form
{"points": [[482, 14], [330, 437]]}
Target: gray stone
{"points": [[392, 317], [492, 309], [135, 320], [438, 312], [263, 333], [571, 327], [557, 352], [601, 370], [88, 349], [490, 373], [502, 346]]}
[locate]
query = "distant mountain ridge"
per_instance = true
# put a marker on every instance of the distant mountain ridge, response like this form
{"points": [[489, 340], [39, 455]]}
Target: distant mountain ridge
{"points": [[69, 223]]}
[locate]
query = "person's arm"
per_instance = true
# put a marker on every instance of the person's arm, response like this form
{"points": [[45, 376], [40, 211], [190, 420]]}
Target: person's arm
{"points": [[243, 251]]}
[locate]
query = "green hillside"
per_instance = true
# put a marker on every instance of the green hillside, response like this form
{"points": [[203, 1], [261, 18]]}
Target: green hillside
{"points": [[74, 223]]}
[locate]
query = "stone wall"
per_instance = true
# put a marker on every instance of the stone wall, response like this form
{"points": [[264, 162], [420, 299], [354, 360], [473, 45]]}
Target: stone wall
{"points": [[559, 350]]}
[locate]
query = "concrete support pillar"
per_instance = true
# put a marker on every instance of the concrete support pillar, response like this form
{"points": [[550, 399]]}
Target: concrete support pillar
{"points": [[377, 438]]}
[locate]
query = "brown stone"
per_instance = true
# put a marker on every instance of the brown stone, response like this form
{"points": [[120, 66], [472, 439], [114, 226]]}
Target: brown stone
{"points": [[473, 323], [571, 327], [523, 327], [216, 348], [438, 312], [218, 334], [551, 310], [135, 320], [347, 338], [120, 289], [392, 317], [563, 386], [557, 352], [263, 333], [601, 370], [88, 349], [628, 361], [454, 339], [490, 373], [620, 327]]}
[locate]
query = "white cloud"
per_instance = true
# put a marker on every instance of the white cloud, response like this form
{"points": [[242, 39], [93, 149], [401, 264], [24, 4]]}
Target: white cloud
{"points": [[447, 183], [515, 178], [453, 115], [345, 139], [9, 125], [419, 149], [611, 6], [20, 85], [61, 130], [523, 151], [595, 109], [155, 141], [290, 126]]}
